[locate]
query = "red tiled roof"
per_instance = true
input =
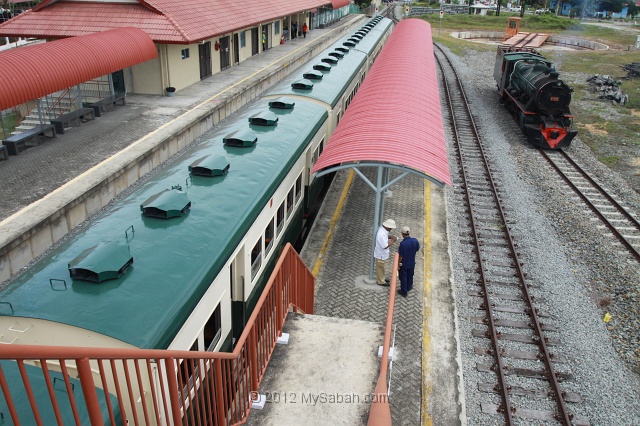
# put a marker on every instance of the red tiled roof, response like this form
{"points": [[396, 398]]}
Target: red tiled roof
{"points": [[34, 71], [337, 4], [395, 117], [166, 21]]}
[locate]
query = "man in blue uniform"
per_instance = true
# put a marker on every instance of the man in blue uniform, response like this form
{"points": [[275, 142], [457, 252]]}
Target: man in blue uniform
{"points": [[407, 257]]}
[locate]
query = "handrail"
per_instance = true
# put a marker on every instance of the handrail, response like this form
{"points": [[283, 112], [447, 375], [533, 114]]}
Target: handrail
{"points": [[168, 386], [380, 413]]}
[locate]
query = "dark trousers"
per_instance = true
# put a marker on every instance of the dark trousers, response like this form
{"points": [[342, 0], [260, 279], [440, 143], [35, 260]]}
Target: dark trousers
{"points": [[406, 280]]}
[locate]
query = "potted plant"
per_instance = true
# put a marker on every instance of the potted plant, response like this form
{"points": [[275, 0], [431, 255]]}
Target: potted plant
{"points": [[171, 91]]}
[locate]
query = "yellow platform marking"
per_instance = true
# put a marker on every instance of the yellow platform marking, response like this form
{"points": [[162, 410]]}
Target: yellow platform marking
{"points": [[332, 225], [426, 303], [148, 135]]}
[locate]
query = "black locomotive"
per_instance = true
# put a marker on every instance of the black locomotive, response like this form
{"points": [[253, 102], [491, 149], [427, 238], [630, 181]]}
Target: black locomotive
{"points": [[529, 86]]}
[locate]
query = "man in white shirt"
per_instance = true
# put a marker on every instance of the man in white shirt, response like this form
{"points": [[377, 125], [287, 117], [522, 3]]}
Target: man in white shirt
{"points": [[381, 250]]}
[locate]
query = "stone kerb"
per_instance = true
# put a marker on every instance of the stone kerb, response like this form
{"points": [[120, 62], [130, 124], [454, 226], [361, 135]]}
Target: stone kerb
{"points": [[27, 234]]}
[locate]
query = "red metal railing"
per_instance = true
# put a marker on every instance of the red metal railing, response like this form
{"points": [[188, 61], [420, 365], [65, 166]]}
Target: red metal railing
{"points": [[147, 387], [380, 413]]}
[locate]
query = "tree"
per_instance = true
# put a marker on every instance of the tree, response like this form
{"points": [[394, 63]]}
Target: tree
{"points": [[633, 10]]}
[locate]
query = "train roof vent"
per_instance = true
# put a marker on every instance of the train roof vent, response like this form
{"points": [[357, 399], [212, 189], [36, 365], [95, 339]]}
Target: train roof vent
{"points": [[360, 34], [264, 118], [330, 60], [105, 261], [342, 49], [282, 103], [240, 138], [303, 84], [370, 25], [166, 204], [351, 42], [210, 166], [338, 55], [313, 75], [322, 67]]}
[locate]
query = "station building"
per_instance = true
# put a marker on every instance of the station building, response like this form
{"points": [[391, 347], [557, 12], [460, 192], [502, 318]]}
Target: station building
{"points": [[194, 38]]}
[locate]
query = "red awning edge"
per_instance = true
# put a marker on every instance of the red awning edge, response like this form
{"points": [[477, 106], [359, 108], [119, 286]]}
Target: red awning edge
{"points": [[33, 71]]}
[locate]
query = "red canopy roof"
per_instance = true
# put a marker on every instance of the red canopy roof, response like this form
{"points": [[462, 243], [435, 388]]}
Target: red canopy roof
{"points": [[166, 21], [395, 117], [34, 71]]}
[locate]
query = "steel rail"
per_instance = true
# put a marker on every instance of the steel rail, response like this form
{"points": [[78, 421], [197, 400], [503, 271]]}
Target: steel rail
{"points": [[563, 414], [593, 208]]}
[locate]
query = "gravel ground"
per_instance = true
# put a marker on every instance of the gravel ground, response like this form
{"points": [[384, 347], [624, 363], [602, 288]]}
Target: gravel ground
{"points": [[578, 273]]}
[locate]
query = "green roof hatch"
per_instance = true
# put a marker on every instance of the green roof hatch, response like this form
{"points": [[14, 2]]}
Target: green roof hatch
{"points": [[338, 55], [313, 75], [330, 60], [282, 103], [342, 49], [322, 67], [351, 42], [166, 204], [105, 261], [302, 84], [264, 118], [241, 139], [210, 166]]}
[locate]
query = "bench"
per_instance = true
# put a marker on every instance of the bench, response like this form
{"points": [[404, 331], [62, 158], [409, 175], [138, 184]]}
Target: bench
{"points": [[4, 155], [18, 143], [77, 116], [100, 106]]}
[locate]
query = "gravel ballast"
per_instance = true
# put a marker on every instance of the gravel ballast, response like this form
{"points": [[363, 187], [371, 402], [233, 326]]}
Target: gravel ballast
{"points": [[578, 272]]}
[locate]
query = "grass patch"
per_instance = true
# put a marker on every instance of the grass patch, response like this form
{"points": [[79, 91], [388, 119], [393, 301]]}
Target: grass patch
{"points": [[9, 123], [611, 160]]}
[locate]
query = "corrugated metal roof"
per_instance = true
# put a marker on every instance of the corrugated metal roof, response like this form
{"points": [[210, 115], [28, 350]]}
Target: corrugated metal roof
{"points": [[395, 117], [34, 71], [166, 21]]}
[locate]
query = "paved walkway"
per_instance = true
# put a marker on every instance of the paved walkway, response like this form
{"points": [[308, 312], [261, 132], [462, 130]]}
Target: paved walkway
{"points": [[423, 376]]}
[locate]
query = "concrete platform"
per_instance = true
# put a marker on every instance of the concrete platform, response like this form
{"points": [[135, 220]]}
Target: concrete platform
{"points": [[324, 376]]}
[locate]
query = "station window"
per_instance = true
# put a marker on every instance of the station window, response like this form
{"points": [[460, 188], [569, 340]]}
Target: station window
{"points": [[185, 53], [213, 329], [268, 238], [243, 39], [276, 27], [290, 203], [256, 258], [298, 186], [280, 218]]}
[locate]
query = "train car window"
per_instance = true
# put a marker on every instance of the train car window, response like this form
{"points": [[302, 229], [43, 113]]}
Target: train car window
{"points": [[213, 329], [256, 258], [290, 203], [268, 237], [280, 218], [187, 368], [298, 186]]}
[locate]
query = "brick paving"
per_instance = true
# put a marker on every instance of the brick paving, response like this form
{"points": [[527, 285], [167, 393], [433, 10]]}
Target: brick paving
{"points": [[348, 258]]}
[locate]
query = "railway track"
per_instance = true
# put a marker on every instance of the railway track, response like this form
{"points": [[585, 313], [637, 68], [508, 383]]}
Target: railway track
{"points": [[614, 217], [521, 378]]}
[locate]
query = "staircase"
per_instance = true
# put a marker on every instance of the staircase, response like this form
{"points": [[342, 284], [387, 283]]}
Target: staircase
{"points": [[51, 107]]}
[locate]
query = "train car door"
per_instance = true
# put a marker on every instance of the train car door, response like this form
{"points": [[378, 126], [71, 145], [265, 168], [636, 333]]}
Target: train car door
{"points": [[255, 42], [236, 49], [225, 55], [204, 52]]}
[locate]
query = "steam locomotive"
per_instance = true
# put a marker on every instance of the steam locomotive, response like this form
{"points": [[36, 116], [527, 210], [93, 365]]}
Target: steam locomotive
{"points": [[529, 86]]}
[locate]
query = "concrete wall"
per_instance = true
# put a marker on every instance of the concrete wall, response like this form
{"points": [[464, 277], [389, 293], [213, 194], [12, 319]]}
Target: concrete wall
{"points": [[147, 78], [30, 232], [183, 72]]}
